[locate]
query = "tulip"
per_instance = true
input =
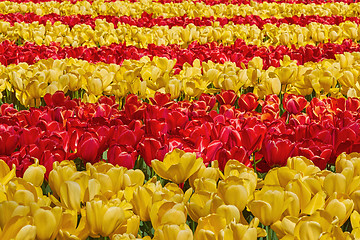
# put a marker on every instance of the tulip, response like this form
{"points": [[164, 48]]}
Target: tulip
{"points": [[103, 217], [60, 173], [199, 205], [35, 174], [209, 227], [294, 104], [177, 166], [19, 227], [235, 191], [248, 102], [341, 206], [70, 195], [5, 174], [277, 151], [269, 204], [240, 231], [47, 222], [164, 212], [168, 231]]}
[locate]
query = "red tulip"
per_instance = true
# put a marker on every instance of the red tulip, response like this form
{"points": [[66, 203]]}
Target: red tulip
{"points": [[226, 97], [88, 148], [117, 155], [277, 151], [294, 104], [248, 102]]}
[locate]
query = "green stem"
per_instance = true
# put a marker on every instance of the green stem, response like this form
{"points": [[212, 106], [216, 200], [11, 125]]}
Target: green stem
{"points": [[267, 232]]}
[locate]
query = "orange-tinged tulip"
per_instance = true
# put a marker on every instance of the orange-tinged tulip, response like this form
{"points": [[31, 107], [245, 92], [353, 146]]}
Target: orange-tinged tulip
{"points": [[269, 204], [234, 191], [176, 232], [177, 166], [103, 217], [35, 174], [164, 212]]}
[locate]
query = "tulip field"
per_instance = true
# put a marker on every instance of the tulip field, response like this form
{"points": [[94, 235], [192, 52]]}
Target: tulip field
{"points": [[180, 119]]}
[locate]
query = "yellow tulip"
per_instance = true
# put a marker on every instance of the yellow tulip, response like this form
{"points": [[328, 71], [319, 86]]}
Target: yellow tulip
{"points": [[142, 198], [210, 172], [341, 206], [239, 231], [19, 228], [70, 195], [47, 221], [199, 204], [233, 191], [35, 174], [10, 209], [70, 228], [335, 182], [269, 204], [209, 227], [302, 164], [103, 217], [311, 227], [177, 166], [169, 232], [60, 173], [164, 212], [5, 174], [130, 227], [229, 212]]}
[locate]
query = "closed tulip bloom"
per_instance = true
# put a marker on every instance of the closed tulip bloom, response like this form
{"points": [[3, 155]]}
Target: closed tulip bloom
{"points": [[35, 174], [209, 227], [47, 222], [341, 206], [164, 212], [233, 191], [60, 173], [199, 205], [173, 232], [177, 166], [70, 195], [103, 218]]}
